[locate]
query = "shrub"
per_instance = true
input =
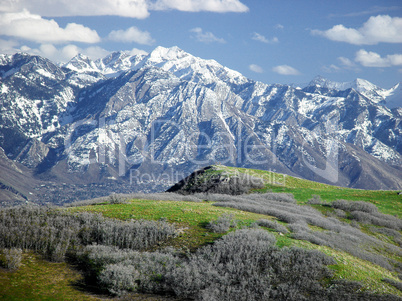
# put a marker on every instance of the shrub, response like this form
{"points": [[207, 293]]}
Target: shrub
{"points": [[395, 235], [242, 265], [298, 226], [272, 196], [11, 258], [272, 225], [378, 219], [142, 271], [245, 265], [119, 278], [396, 284], [315, 200], [340, 213], [52, 232], [335, 233], [116, 199], [222, 224], [354, 206]]}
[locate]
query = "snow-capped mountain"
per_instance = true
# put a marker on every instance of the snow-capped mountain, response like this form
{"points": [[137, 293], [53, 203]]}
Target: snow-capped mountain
{"points": [[362, 86], [151, 119]]}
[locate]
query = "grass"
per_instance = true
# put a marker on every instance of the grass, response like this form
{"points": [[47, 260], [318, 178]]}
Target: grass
{"points": [[192, 217], [38, 279], [189, 217], [387, 201], [355, 269]]}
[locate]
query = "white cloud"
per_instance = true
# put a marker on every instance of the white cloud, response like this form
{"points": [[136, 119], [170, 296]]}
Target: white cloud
{"points": [[132, 34], [8, 46], [259, 37], [373, 59], [279, 26], [343, 64], [256, 68], [368, 11], [382, 28], [124, 8], [95, 52], [136, 51], [34, 28], [61, 8], [331, 68], [64, 54], [206, 37], [285, 70], [219, 6], [346, 63]]}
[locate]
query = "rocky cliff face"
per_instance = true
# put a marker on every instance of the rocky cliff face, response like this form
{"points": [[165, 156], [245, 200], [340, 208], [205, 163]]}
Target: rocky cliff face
{"points": [[152, 119]]}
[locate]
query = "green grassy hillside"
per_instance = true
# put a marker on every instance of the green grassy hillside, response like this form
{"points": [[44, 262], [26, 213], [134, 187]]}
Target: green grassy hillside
{"points": [[192, 217], [37, 279], [387, 201]]}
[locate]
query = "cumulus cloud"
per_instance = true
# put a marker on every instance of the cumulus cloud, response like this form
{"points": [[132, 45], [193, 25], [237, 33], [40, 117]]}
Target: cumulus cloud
{"points": [[378, 29], [373, 59], [65, 53], [368, 11], [8, 46], [136, 51], [33, 27], [331, 68], [62, 8], [256, 68], [285, 70], [132, 34], [219, 6], [125, 8], [206, 37], [346, 63], [259, 37]]}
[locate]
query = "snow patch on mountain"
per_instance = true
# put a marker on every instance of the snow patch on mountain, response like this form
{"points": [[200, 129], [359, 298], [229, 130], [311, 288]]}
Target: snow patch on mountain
{"points": [[4, 89], [366, 88], [81, 63], [394, 98]]}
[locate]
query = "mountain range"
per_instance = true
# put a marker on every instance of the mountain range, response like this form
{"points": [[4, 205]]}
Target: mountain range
{"points": [[143, 122]]}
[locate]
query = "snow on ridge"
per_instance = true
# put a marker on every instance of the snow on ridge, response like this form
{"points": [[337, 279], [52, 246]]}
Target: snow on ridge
{"points": [[360, 85], [394, 97], [45, 73], [173, 59], [81, 63]]}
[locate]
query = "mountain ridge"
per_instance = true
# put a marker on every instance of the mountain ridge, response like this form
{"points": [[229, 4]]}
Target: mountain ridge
{"points": [[169, 111]]}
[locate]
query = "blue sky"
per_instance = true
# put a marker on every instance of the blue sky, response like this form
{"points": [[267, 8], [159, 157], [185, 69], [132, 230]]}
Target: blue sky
{"points": [[271, 41]]}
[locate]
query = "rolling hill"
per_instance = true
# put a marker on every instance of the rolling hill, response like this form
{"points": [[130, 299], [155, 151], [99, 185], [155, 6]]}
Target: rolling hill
{"points": [[358, 229]]}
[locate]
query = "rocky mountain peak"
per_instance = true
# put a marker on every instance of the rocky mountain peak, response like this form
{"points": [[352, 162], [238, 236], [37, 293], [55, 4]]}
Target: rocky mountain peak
{"points": [[160, 54], [81, 63], [169, 111]]}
